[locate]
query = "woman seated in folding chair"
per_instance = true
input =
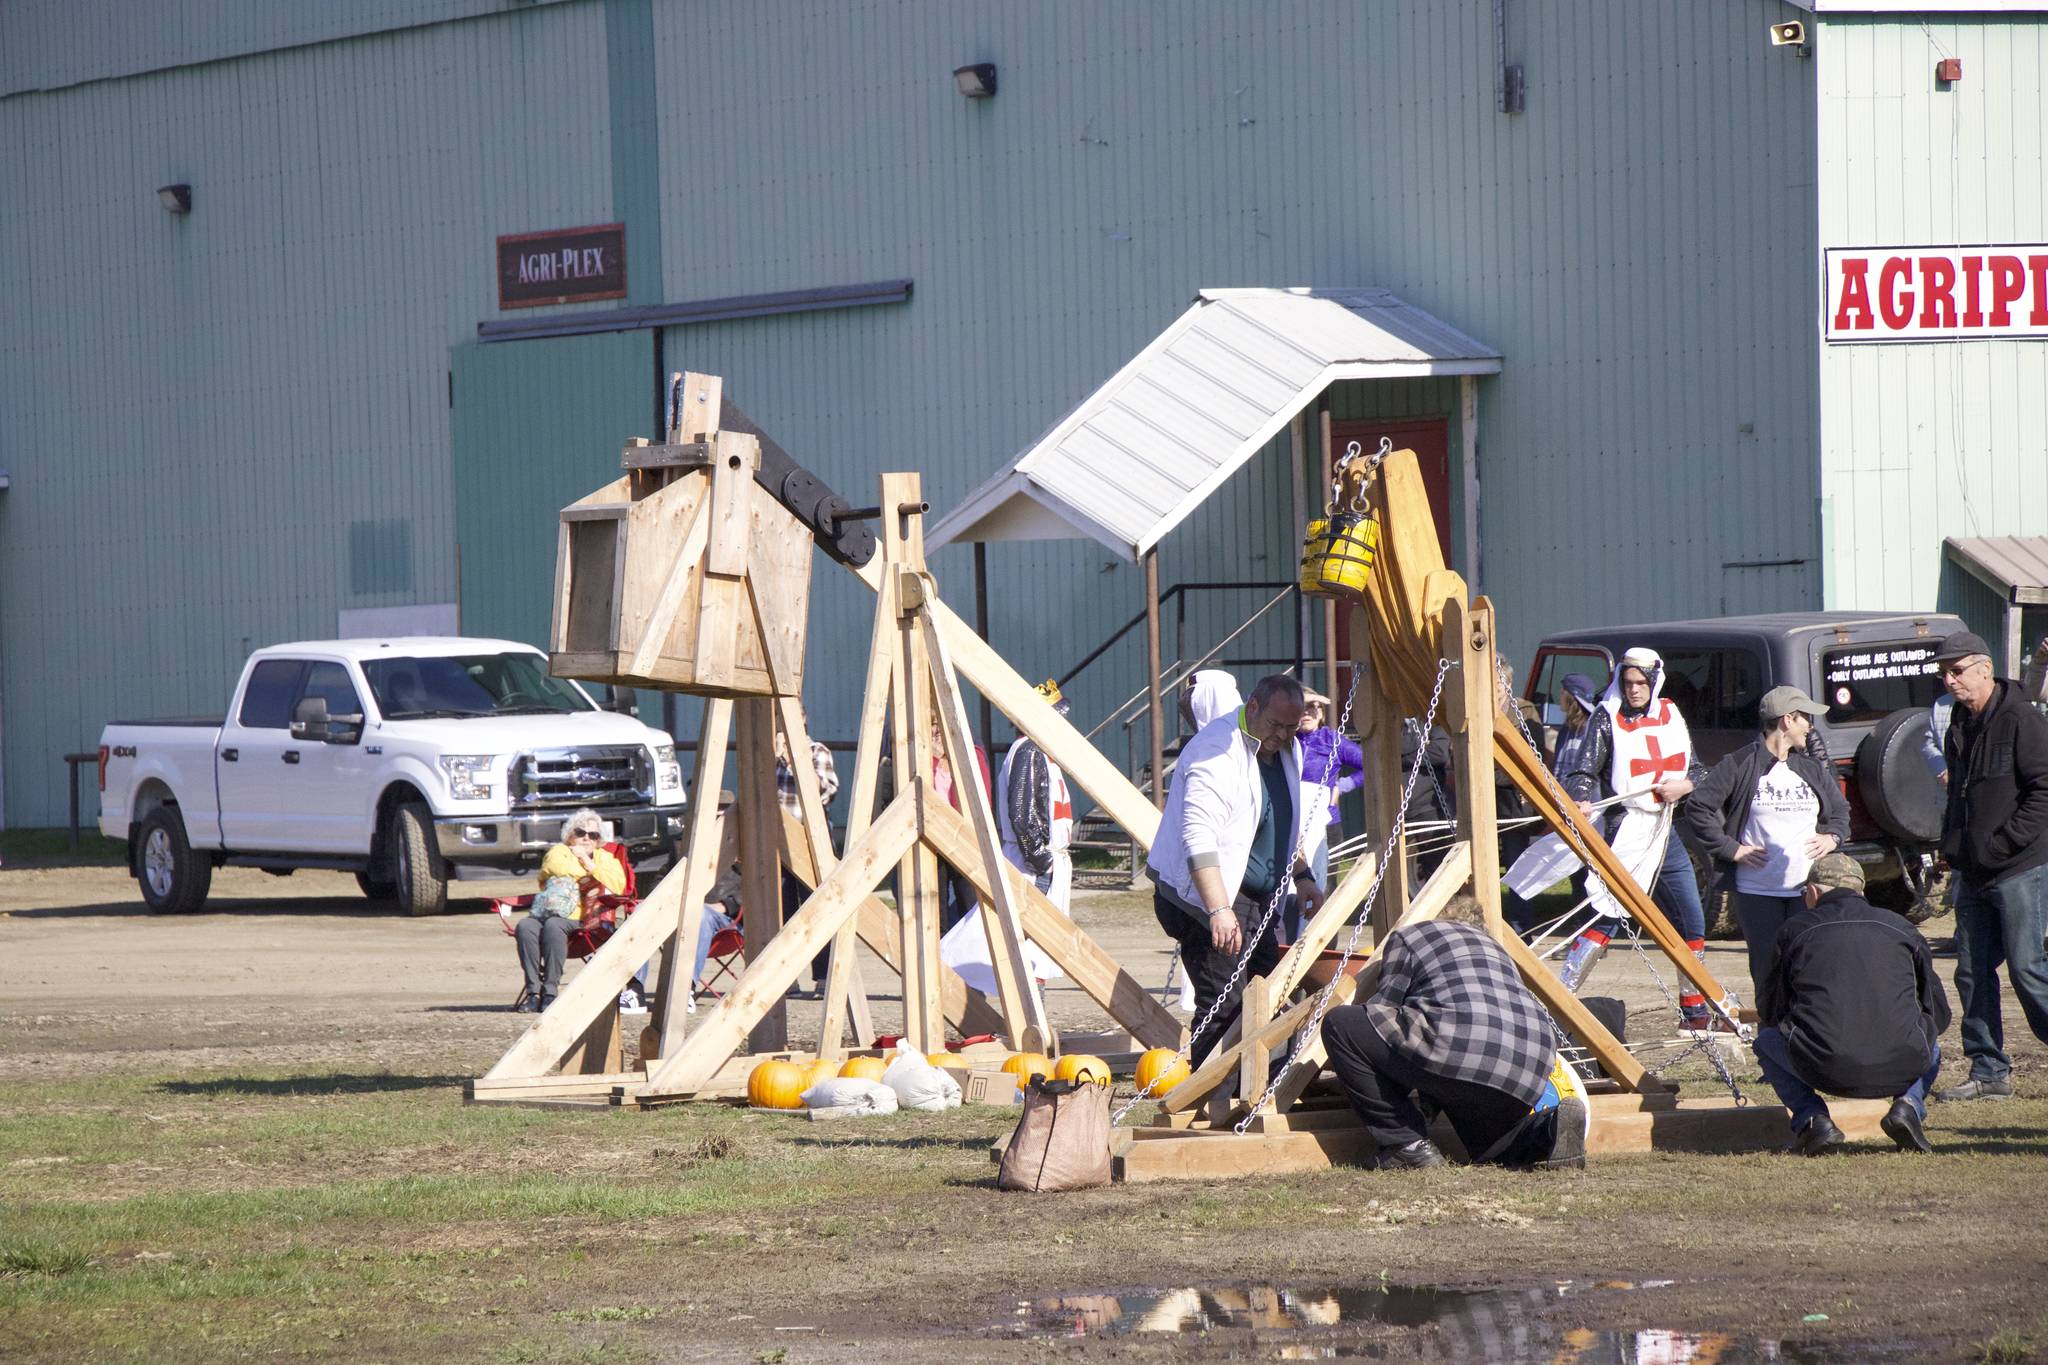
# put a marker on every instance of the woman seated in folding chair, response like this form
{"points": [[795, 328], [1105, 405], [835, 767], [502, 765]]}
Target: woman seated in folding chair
{"points": [[570, 873]]}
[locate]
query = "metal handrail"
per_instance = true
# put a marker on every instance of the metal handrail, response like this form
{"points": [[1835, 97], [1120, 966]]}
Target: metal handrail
{"points": [[1178, 590], [1179, 672]]}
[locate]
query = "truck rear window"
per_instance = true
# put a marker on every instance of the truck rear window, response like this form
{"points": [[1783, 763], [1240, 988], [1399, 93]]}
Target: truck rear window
{"points": [[1862, 683]]}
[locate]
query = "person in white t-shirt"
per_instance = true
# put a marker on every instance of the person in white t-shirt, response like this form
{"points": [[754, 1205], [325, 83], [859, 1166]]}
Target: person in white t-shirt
{"points": [[1763, 814]]}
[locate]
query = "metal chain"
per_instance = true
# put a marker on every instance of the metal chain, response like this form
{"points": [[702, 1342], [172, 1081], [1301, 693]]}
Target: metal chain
{"points": [[1353, 451], [1273, 904], [1329, 993], [1570, 809]]}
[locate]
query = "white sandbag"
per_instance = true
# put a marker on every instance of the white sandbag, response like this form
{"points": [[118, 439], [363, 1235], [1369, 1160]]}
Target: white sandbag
{"points": [[918, 1084], [850, 1092]]}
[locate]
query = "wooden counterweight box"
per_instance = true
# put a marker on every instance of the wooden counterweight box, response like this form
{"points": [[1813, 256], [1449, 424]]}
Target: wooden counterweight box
{"points": [[686, 574]]}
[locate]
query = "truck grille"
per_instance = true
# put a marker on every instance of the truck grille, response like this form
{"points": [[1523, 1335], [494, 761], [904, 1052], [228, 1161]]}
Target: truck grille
{"points": [[561, 779]]}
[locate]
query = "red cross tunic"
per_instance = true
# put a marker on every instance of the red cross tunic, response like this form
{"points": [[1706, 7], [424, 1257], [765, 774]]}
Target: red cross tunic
{"points": [[1648, 749]]}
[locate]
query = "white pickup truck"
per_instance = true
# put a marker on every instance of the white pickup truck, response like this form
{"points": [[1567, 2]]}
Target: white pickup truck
{"points": [[404, 761]]}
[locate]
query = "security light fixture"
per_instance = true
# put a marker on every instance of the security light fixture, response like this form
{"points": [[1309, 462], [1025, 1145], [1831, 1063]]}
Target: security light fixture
{"points": [[977, 82], [175, 198]]}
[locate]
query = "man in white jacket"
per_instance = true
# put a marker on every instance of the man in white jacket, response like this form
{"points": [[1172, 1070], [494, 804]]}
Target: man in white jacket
{"points": [[1229, 842]]}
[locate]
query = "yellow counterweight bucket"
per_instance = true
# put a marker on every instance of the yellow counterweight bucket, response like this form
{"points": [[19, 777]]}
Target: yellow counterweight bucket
{"points": [[1338, 553]]}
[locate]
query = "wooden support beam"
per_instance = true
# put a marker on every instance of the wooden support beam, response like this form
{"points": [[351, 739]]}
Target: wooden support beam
{"points": [[1222, 1063], [1227, 1156], [1084, 961], [698, 871], [1256, 1056], [1015, 993], [1473, 695], [1379, 729], [720, 1032], [843, 991]]}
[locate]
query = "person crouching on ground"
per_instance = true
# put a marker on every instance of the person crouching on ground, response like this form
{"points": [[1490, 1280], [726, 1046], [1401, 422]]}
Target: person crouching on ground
{"points": [[569, 871], [1451, 1022], [1852, 1007]]}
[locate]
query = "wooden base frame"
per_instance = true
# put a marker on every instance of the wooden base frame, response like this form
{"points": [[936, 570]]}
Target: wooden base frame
{"points": [[914, 705]]}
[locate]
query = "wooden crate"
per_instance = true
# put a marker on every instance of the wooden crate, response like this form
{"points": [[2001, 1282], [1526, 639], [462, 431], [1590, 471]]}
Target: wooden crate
{"points": [[684, 580]]}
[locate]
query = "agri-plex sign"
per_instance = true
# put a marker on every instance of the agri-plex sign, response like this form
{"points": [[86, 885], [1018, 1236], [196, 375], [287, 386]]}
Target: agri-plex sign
{"points": [[567, 265], [1936, 293]]}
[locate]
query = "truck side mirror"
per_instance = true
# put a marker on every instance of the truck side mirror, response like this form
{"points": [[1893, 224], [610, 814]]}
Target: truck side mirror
{"points": [[309, 720]]}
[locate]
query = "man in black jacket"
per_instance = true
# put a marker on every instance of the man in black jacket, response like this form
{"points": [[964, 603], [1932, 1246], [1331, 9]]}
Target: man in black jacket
{"points": [[1852, 1006], [1995, 835], [1763, 814]]}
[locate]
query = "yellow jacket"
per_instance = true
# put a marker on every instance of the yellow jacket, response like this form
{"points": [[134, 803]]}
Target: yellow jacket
{"points": [[561, 861]]}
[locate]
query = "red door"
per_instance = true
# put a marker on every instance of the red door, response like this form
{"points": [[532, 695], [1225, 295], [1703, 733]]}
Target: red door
{"points": [[1430, 439]]}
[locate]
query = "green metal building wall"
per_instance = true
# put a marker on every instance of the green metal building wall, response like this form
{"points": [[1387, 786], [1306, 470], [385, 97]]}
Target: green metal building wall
{"points": [[225, 428], [1926, 440]]}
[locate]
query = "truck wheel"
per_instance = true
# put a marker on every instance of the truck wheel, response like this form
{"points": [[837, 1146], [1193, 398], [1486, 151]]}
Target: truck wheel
{"points": [[420, 876], [376, 888], [173, 878]]}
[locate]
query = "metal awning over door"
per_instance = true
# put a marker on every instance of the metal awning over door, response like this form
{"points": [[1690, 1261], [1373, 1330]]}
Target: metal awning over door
{"points": [[1134, 458]]}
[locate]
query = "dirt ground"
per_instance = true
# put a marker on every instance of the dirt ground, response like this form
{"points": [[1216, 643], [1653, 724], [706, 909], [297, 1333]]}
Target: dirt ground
{"points": [[294, 1052]]}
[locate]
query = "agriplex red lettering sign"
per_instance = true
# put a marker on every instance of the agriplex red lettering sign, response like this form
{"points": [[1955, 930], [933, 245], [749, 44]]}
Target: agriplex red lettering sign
{"points": [[1936, 293], [568, 265]]}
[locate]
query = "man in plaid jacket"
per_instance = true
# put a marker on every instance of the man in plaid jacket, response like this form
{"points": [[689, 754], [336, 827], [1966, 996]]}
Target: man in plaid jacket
{"points": [[1452, 1023]]}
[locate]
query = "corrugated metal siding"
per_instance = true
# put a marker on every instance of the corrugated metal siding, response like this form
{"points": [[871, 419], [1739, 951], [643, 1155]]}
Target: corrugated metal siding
{"points": [[40, 47], [196, 411], [1623, 244], [1924, 441]]}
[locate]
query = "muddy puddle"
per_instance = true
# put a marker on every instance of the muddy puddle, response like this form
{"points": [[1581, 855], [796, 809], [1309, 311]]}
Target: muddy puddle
{"points": [[1354, 1322]]}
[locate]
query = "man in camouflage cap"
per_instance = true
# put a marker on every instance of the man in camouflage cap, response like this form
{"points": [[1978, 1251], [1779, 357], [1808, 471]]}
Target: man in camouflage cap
{"points": [[1851, 1007]]}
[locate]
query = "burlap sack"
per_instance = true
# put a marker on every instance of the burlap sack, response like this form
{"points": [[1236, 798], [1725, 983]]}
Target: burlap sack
{"points": [[1061, 1142]]}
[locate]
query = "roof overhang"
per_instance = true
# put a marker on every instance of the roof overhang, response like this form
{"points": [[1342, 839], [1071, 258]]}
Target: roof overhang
{"points": [[1134, 458], [2014, 567], [1920, 7]]}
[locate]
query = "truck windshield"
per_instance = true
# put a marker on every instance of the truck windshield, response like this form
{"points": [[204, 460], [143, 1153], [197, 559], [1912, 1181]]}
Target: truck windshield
{"points": [[469, 685], [1869, 682]]}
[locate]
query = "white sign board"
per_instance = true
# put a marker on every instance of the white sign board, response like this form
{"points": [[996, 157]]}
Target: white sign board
{"points": [[1936, 293]]}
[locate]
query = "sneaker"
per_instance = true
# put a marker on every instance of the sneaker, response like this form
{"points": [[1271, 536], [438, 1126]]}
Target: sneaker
{"points": [[1901, 1123], [631, 1001], [1819, 1137], [1977, 1088], [528, 1005], [1419, 1155]]}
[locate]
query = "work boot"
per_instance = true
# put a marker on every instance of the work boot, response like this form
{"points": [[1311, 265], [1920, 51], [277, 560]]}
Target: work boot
{"points": [[1693, 1015], [1901, 1123], [1587, 949], [527, 1005], [1568, 1149], [1819, 1137], [1419, 1155], [1977, 1088]]}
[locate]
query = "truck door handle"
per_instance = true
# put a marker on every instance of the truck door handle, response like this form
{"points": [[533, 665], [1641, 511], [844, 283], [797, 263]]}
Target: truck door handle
{"points": [[291, 755], [230, 755]]}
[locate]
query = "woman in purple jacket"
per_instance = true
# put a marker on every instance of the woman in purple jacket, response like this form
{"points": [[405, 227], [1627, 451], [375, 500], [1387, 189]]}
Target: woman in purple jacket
{"points": [[1330, 766]]}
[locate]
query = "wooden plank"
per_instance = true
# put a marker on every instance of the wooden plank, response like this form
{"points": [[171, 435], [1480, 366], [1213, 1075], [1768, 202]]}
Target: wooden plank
{"points": [[1231, 1156], [697, 873], [1380, 739], [597, 1052], [844, 993], [720, 1031], [1084, 961], [758, 814], [1450, 875], [1015, 992], [1220, 1064], [1577, 1019], [778, 589], [874, 730], [483, 1089], [1473, 703], [702, 400], [1256, 1057], [653, 630]]}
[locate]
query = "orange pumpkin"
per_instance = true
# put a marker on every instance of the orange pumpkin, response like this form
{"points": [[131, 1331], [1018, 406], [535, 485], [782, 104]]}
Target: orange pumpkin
{"points": [[1079, 1066], [1160, 1070], [1025, 1065], [943, 1058], [776, 1084], [864, 1068], [823, 1069]]}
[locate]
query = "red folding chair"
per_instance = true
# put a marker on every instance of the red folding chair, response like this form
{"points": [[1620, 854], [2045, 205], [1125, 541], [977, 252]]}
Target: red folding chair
{"points": [[602, 913], [725, 957]]}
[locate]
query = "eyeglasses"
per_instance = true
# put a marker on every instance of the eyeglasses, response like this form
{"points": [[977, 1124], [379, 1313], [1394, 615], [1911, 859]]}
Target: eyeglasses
{"points": [[1959, 667], [586, 834]]}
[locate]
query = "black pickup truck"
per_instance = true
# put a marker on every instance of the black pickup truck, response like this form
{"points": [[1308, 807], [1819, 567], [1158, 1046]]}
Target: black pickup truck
{"points": [[1874, 671]]}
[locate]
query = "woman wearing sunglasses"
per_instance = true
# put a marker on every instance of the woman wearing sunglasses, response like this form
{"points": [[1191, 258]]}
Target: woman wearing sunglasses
{"points": [[569, 871]]}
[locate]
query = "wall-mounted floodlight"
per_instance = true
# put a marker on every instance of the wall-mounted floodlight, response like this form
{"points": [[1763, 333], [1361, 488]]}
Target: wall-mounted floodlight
{"points": [[977, 82], [175, 198]]}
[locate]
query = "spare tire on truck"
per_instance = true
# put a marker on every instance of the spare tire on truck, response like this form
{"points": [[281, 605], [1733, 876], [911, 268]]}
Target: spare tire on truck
{"points": [[1900, 793]]}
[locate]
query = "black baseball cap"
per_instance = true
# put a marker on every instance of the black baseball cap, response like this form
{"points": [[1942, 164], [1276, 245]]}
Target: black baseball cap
{"points": [[1961, 645]]}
